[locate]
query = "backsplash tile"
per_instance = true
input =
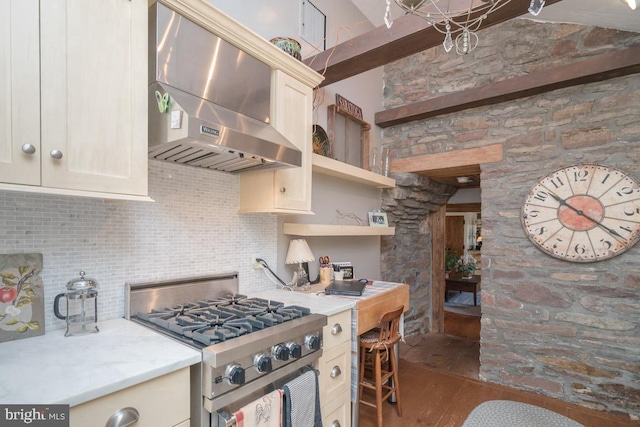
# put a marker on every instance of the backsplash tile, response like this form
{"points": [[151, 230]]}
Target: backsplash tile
{"points": [[192, 229]]}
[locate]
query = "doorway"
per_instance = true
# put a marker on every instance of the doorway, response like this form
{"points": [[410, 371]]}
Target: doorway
{"points": [[461, 314]]}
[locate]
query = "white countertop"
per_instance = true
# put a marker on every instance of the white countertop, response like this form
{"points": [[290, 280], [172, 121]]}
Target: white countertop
{"points": [[72, 370], [317, 303]]}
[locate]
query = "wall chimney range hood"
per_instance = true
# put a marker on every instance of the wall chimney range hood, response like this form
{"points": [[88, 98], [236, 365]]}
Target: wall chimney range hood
{"points": [[209, 102]]}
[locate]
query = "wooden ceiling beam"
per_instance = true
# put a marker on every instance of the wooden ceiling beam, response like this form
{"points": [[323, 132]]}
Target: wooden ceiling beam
{"points": [[597, 68], [409, 34]]}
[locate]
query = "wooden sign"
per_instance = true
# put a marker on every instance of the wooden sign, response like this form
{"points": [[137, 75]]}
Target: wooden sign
{"points": [[348, 107]]}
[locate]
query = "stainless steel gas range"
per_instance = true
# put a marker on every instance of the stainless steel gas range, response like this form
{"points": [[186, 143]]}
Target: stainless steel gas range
{"points": [[250, 346]]}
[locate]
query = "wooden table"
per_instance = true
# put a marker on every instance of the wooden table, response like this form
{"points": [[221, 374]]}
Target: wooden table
{"points": [[463, 285]]}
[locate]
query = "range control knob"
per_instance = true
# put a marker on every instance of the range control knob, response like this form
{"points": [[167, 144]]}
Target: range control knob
{"points": [[312, 342], [281, 352], [235, 374], [262, 362], [295, 350]]}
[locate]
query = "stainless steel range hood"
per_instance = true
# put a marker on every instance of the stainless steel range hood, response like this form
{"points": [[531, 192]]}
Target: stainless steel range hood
{"points": [[209, 102]]}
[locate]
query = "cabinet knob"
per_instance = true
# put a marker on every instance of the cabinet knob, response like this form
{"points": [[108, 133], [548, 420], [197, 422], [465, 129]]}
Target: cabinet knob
{"points": [[123, 417], [335, 372], [335, 423], [56, 154], [336, 329], [28, 148], [283, 189]]}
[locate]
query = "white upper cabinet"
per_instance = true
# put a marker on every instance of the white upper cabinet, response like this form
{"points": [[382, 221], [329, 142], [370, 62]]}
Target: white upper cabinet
{"points": [[19, 92], [92, 128], [285, 190]]}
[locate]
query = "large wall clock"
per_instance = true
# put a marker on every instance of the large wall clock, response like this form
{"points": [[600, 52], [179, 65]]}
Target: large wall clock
{"points": [[583, 213]]}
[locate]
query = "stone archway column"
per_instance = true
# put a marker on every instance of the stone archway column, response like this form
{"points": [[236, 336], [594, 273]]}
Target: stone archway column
{"points": [[406, 256]]}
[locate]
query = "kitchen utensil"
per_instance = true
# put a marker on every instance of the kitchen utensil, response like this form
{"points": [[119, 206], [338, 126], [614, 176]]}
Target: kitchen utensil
{"points": [[82, 306]]}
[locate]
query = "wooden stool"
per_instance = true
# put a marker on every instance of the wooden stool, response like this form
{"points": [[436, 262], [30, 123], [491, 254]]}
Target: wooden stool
{"points": [[379, 343]]}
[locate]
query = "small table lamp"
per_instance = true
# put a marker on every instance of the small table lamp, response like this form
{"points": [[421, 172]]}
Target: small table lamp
{"points": [[298, 253]]}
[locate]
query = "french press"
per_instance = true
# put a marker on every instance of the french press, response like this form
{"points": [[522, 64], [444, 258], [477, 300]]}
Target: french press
{"points": [[82, 306]]}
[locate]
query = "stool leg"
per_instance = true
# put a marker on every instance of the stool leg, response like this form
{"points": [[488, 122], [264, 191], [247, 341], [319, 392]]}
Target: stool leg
{"points": [[396, 383], [361, 373], [378, 378]]}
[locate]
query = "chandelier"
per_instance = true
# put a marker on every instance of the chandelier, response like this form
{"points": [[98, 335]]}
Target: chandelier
{"points": [[458, 20]]}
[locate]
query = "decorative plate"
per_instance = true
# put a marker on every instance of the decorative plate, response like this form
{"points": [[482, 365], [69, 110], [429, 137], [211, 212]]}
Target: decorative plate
{"points": [[321, 141]]}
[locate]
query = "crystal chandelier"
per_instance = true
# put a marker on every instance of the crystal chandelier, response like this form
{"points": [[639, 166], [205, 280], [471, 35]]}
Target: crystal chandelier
{"points": [[458, 20]]}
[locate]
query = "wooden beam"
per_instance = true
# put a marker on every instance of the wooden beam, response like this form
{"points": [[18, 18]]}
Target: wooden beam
{"points": [[450, 159], [601, 67], [464, 207], [409, 34], [437, 224]]}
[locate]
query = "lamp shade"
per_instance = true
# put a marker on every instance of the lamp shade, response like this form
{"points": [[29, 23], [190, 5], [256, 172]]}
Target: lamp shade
{"points": [[299, 251]]}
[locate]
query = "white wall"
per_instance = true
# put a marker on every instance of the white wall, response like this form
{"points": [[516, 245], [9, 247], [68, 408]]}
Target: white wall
{"points": [[192, 229], [344, 21]]}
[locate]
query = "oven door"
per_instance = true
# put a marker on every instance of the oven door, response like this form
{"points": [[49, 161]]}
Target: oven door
{"points": [[225, 406]]}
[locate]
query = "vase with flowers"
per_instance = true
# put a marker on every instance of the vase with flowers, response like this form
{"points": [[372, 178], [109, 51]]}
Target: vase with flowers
{"points": [[466, 265]]}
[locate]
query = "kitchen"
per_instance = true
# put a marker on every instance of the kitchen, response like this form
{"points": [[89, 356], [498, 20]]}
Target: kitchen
{"points": [[190, 228], [193, 221]]}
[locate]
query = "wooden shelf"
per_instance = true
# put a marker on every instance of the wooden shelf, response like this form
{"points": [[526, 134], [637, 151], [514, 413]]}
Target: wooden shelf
{"points": [[326, 166], [308, 230]]}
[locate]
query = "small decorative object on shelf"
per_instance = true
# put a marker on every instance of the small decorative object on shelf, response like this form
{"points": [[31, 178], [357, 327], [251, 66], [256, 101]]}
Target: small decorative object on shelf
{"points": [[466, 265], [321, 144], [378, 219], [289, 45]]}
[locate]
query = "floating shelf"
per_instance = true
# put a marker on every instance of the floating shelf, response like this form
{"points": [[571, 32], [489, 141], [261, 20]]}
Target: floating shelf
{"points": [[296, 229], [326, 166]]}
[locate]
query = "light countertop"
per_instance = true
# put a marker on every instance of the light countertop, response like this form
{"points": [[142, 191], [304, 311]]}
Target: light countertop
{"points": [[54, 369], [317, 303]]}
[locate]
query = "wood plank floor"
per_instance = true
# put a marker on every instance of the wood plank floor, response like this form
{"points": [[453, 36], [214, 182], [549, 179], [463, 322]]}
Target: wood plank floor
{"points": [[439, 385]]}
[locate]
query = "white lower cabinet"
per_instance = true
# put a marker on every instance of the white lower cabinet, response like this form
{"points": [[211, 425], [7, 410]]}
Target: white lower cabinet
{"points": [[335, 371], [160, 402]]}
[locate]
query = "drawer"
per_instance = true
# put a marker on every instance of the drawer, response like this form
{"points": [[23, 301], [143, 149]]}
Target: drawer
{"points": [[156, 406], [335, 371], [337, 330], [337, 413]]}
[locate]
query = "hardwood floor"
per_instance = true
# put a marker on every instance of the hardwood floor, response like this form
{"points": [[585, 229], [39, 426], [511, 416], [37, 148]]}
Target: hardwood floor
{"points": [[439, 385]]}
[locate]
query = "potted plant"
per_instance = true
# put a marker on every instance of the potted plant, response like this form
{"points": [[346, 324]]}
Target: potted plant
{"points": [[450, 261], [466, 265]]}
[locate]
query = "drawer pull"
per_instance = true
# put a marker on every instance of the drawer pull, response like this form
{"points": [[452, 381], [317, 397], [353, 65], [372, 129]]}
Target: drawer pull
{"points": [[335, 423], [336, 329], [123, 418], [335, 372]]}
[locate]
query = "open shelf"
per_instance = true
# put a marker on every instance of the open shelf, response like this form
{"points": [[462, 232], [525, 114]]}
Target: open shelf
{"points": [[308, 230], [326, 166]]}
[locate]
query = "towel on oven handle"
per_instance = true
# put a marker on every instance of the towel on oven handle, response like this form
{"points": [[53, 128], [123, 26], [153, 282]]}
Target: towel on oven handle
{"points": [[301, 401], [263, 412]]}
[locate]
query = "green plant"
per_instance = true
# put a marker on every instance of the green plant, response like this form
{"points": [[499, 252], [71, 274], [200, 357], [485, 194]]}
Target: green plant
{"points": [[450, 259]]}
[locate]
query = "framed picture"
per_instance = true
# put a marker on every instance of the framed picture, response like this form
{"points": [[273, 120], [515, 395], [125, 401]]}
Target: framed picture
{"points": [[378, 219]]}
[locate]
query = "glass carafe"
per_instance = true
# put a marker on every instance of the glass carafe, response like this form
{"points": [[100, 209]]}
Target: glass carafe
{"points": [[82, 306]]}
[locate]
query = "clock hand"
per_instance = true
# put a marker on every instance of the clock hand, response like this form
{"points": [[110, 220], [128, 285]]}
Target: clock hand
{"points": [[563, 202]]}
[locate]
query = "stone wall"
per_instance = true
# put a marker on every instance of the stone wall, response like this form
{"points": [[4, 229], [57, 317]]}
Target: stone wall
{"points": [[562, 329], [406, 257]]}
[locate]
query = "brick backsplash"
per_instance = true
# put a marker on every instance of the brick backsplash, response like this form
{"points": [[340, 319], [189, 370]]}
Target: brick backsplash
{"points": [[192, 229]]}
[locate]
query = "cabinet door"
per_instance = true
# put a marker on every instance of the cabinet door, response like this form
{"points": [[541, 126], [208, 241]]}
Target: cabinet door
{"points": [[292, 117], [19, 92], [94, 95]]}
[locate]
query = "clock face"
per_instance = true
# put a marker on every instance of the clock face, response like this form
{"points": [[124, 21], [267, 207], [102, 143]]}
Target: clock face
{"points": [[583, 213]]}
